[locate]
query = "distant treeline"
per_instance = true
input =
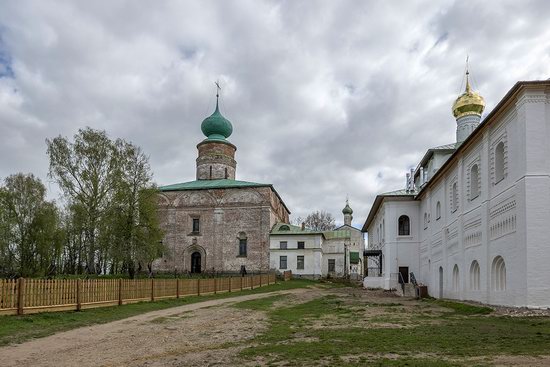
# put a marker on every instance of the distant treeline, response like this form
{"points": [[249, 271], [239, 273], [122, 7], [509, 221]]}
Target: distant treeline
{"points": [[106, 222]]}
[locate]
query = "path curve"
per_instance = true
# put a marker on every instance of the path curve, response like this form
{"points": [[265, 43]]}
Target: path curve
{"points": [[139, 340]]}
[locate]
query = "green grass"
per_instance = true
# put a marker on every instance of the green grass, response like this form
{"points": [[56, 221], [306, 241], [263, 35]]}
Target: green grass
{"points": [[461, 308], [464, 331], [16, 329], [261, 304]]}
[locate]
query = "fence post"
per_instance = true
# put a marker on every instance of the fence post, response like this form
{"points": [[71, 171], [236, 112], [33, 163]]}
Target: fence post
{"points": [[152, 289], [260, 279], [177, 288], [20, 295], [215, 284], [78, 294], [120, 292], [198, 286], [242, 282], [252, 281], [230, 281]]}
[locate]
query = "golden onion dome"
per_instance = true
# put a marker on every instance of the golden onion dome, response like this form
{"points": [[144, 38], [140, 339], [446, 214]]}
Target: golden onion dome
{"points": [[469, 102]]}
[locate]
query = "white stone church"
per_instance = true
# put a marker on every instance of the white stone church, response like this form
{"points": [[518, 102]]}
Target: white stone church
{"points": [[473, 222]]}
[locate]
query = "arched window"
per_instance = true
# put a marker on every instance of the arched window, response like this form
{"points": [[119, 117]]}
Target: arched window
{"points": [[454, 197], [456, 279], [243, 243], [499, 162], [474, 276], [284, 227], [474, 182], [404, 226], [438, 211], [498, 274]]}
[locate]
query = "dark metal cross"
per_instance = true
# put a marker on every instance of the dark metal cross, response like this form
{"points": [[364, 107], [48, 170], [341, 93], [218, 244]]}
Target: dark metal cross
{"points": [[218, 88]]}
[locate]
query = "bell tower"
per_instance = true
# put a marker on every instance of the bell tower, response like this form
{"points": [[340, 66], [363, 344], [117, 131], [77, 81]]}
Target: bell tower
{"points": [[467, 110], [216, 160], [347, 211]]}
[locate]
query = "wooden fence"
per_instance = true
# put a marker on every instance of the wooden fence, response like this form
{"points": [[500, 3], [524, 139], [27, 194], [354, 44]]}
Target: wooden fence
{"points": [[19, 296]]}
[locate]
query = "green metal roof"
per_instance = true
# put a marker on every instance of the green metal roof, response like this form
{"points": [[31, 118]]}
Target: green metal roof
{"points": [[451, 146], [339, 234], [211, 184], [400, 192], [219, 184], [281, 228]]}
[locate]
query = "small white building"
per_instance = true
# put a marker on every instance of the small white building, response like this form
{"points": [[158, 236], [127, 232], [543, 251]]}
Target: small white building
{"points": [[316, 254], [472, 222]]}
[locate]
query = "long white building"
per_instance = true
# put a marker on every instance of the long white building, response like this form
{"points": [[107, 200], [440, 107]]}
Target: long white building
{"points": [[473, 221]]}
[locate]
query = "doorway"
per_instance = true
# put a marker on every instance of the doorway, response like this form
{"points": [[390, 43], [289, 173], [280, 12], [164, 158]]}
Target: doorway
{"points": [[404, 271], [196, 262], [440, 282]]}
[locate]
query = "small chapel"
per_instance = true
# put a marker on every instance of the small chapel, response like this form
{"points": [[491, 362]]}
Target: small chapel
{"points": [[216, 223]]}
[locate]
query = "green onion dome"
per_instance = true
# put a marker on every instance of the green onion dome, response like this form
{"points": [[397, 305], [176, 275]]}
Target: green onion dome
{"points": [[347, 209], [216, 127]]}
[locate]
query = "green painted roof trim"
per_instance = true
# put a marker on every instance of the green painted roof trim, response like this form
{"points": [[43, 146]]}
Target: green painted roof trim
{"points": [[337, 234], [218, 184], [281, 229], [284, 229], [211, 184]]}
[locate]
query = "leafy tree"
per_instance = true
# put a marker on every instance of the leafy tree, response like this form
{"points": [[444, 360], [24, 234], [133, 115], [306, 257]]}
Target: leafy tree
{"points": [[86, 172], [31, 239], [134, 219], [318, 221], [111, 221]]}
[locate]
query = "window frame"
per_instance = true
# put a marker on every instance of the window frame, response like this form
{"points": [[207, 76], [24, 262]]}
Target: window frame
{"points": [[243, 243], [197, 221], [499, 163], [331, 264], [281, 258], [283, 247], [406, 225], [301, 245], [300, 259]]}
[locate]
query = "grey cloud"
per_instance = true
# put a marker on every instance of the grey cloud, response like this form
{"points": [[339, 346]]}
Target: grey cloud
{"points": [[327, 99]]}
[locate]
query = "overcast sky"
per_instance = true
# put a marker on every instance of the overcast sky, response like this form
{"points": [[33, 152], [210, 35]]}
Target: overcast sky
{"points": [[327, 98]]}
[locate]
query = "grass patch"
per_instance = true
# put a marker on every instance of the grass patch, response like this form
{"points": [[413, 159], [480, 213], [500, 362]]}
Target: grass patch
{"points": [[16, 329], [461, 308], [463, 333], [261, 304]]}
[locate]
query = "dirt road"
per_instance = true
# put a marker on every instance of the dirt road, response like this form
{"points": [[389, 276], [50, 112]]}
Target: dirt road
{"points": [[190, 335], [212, 333]]}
